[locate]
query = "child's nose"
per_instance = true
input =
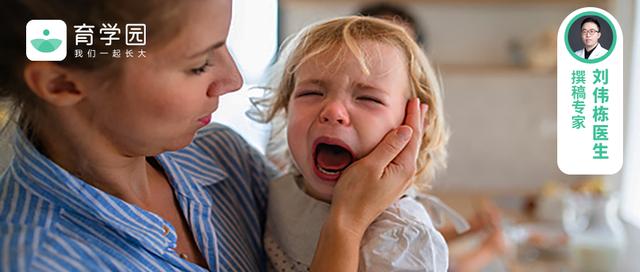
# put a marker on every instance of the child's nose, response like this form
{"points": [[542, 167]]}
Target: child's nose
{"points": [[334, 113]]}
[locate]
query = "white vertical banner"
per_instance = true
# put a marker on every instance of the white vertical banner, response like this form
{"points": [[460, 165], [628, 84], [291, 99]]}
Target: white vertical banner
{"points": [[590, 93]]}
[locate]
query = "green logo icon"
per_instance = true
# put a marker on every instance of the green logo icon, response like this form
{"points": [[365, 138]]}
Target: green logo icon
{"points": [[46, 45], [46, 40]]}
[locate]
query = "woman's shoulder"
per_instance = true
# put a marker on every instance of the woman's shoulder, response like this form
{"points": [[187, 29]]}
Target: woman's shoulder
{"points": [[46, 249], [33, 227]]}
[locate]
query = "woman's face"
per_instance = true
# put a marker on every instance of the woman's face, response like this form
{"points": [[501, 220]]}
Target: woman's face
{"points": [[160, 101]]}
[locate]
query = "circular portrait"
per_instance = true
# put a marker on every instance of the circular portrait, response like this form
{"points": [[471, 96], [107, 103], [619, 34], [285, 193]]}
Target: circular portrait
{"points": [[590, 37]]}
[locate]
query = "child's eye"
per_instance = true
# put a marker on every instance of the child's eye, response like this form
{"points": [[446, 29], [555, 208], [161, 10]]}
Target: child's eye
{"points": [[308, 93], [371, 99], [201, 69]]}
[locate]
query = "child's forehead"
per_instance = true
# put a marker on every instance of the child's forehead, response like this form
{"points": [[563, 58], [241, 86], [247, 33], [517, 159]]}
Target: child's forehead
{"points": [[384, 69], [371, 57]]}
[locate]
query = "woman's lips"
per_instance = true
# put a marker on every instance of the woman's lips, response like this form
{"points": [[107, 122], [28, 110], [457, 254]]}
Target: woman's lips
{"points": [[205, 120]]}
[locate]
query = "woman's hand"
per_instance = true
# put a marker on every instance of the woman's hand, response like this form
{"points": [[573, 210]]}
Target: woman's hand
{"points": [[368, 187], [372, 183]]}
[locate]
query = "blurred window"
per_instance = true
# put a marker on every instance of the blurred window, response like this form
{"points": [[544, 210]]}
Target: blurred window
{"points": [[253, 41]]}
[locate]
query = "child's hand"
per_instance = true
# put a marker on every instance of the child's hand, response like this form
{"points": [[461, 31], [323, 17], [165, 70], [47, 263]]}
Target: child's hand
{"points": [[372, 183], [487, 217]]}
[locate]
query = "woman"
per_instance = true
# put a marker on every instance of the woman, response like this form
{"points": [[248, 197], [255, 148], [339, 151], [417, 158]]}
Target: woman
{"points": [[113, 171]]}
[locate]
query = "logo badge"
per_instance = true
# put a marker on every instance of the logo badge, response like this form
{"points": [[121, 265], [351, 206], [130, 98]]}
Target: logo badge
{"points": [[46, 40]]}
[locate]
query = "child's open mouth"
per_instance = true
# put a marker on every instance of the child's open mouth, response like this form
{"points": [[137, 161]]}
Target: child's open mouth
{"points": [[331, 156]]}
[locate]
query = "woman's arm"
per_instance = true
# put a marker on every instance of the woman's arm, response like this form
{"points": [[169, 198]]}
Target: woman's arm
{"points": [[365, 189], [338, 247]]}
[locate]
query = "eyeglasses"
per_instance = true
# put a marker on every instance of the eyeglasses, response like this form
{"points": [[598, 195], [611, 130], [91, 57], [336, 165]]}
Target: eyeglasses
{"points": [[590, 32]]}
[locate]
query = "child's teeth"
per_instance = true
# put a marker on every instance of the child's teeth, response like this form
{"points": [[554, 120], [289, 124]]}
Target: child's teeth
{"points": [[327, 171]]}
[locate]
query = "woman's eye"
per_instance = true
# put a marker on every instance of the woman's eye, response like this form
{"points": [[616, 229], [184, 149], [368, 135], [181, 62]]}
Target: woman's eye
{"points": [[201, 69]]}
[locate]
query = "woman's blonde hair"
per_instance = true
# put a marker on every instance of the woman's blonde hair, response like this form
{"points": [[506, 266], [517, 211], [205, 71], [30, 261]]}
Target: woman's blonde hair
{"points": [[345, 33]]}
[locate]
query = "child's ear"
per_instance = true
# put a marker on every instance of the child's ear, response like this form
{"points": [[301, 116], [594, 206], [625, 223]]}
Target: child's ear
{"points": [[54, 84]]}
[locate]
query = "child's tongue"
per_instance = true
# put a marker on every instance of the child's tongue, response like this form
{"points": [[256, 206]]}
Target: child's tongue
{"points": [[333, 158]]}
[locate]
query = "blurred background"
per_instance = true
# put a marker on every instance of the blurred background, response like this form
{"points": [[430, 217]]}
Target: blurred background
{"points": [[497, 60]]}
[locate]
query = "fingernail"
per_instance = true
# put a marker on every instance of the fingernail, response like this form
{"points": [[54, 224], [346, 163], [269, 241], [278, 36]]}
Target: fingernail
{"points": [[423, 108], [404, 132]]}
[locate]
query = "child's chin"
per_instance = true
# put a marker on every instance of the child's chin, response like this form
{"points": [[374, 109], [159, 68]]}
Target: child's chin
{"points": [[321, 190]]}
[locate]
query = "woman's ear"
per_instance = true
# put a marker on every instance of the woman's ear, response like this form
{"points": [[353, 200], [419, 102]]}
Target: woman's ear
{"points": [[54, 84]]}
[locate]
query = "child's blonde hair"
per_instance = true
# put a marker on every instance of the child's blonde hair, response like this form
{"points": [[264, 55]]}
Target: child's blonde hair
{"points": [[345, 33]]}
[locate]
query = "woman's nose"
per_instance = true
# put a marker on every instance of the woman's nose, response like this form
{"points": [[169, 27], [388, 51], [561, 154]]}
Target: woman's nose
{"points": [[229, 78], [334, 113]]}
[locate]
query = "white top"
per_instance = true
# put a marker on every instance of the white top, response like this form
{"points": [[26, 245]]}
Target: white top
{"points": [[598, 51], [402, 238]]}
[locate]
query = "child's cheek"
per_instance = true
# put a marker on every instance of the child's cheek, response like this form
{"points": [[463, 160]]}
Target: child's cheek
{"points": [[300, 116], [371, 136]]}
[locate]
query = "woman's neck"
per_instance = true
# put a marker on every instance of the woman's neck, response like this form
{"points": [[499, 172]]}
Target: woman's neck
{"points": [[92, 158]]}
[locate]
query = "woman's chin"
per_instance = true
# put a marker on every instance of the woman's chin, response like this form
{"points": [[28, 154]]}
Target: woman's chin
{"points": [[179, 143]]}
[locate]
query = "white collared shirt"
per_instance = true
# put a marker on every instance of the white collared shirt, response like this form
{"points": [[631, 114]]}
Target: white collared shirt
{"points": [[598, 51]]}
